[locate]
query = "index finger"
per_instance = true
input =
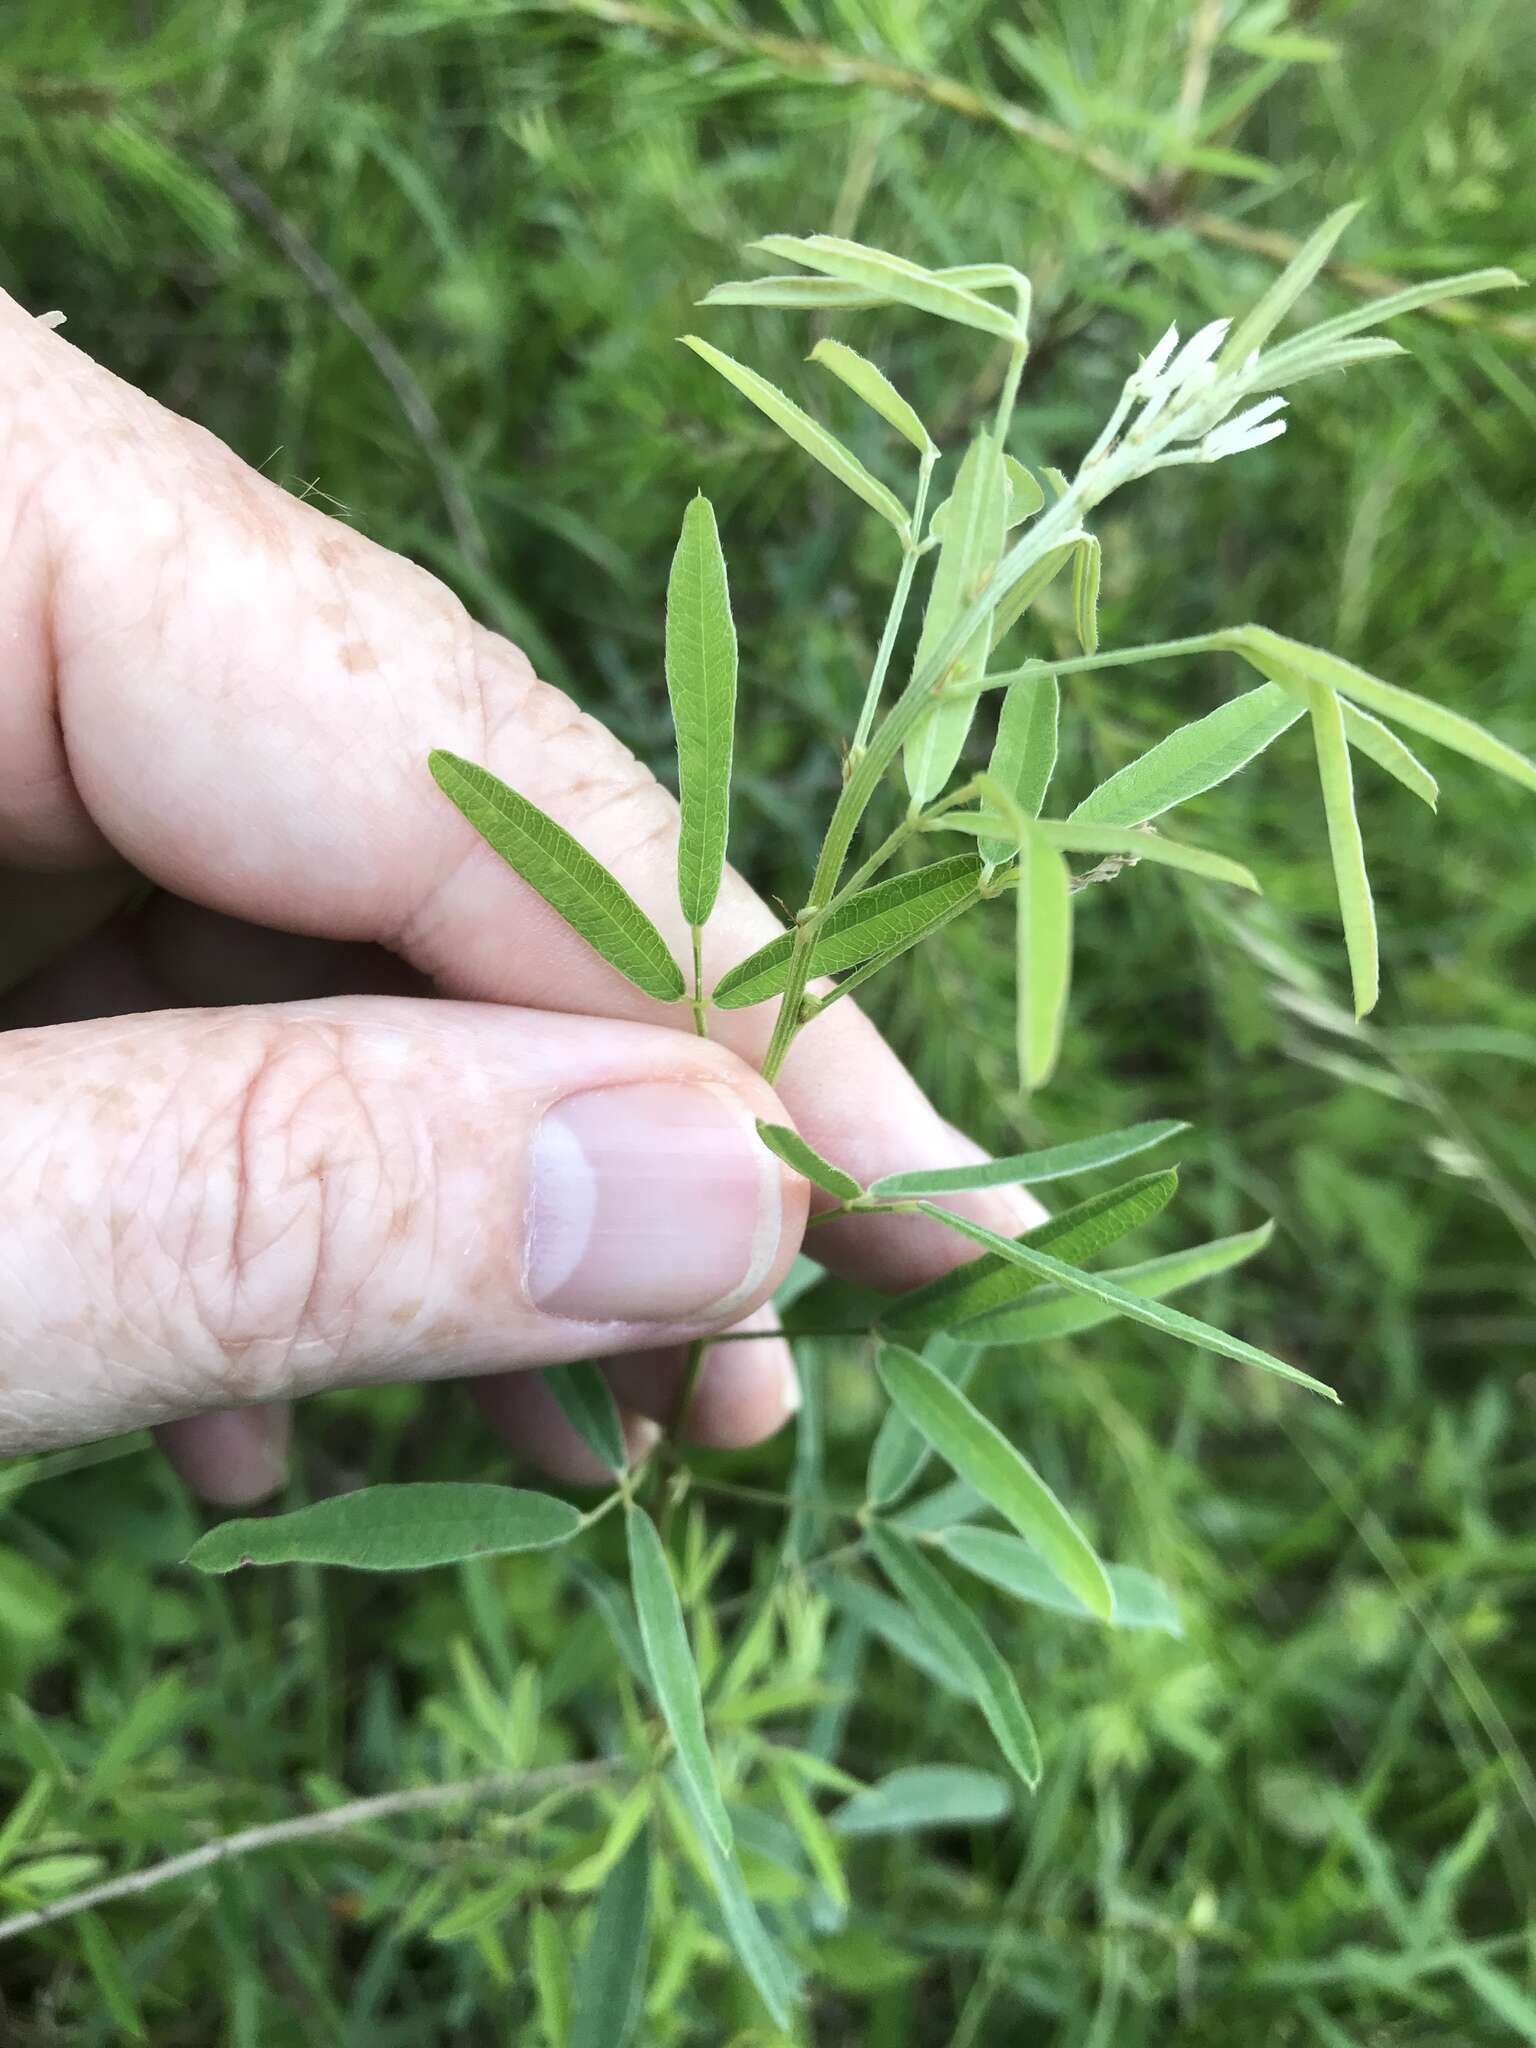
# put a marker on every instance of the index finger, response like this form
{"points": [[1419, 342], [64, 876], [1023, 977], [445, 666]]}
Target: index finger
{"points": [[237, 694]]}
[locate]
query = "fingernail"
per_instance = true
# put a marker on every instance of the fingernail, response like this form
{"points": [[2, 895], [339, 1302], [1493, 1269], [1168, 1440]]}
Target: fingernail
{"points": [[654, 1201]]}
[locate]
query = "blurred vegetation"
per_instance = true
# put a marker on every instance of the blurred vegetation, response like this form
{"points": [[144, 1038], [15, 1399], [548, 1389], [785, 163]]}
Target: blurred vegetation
{"points": [[428, 257]]}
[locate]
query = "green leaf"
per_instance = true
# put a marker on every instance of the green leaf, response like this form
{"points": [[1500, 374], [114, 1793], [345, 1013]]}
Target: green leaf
{"points": [[1380, 744], [755, 1948], [1260, 322], [1155, 1314], [104, 1961], [1375, 311], [1011, 1565], [895, 279], [979, 1453], [1025, 496], [805, 432], [1356, 909], [973, 536], [802, 294], [900, 1452], [393, 1529], [876, 390], [1192, 760], [789, 1146], [1037, 578], [610, 1986], [925, 1796], [1024, 752], [964, 1643], [669, 1659], [1295, 663], [1049, 1312], [586, 1401], [888, 917], [887, 1619], [591, 901], [1031, 1169], [1070, 836], [550, 1958], [992, 1283], [1087, 563], [701, 682], [1044, 914], [815, 1837]]}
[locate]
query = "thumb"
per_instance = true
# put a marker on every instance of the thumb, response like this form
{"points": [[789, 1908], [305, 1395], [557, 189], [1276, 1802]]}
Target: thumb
{"points": [[207, 1207]]}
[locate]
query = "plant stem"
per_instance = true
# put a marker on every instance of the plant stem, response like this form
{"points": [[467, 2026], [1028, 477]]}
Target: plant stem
{"points": [[699, 1004], [893, 617]]}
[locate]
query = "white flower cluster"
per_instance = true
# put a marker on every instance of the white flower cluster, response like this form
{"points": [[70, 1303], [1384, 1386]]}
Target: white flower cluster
{"points": [[1185, 396]]}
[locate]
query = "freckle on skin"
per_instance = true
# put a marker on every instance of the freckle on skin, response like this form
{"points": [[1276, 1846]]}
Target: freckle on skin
{"points": [[357, 657], [406, 1313]]}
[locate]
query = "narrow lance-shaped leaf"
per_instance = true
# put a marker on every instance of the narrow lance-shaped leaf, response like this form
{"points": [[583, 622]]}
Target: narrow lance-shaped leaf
{"points": [[701, 682], [885, 918], [886, 1619], [1378, 742], [1050, 1312], [1044, 913], [1293, 662], [550, 1961], [1024, 752], [789, 1146], [1356, 908], [1011, 1565], [876, 390], [991, 1283], [674, 1677], [1411, 299], [1193, 759], [900, 1452], [393, 1529], [586, 1401], [1260, 322], [1025, 496], [755, 1948], [973, 536], [804, 294], [1087, 564], [805, 432], [1031, 1169], [1072, 836], [1155, 1314], [593, 903], [962, 1640], [610, 1984], [925, 1796], [979, 1453], [908, 284], [1035, 580]]}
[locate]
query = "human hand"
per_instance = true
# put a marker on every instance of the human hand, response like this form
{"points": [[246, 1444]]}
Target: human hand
{"points": [[347, 1102]]}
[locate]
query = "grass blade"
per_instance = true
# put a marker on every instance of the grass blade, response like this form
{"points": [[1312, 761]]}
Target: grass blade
{"points": [[974, 531], [550, 1962], [1192, 760], [789, 1146], [907, 284], [1032, 1169], [1013, 1567], [1378, 742], [586, 1401], [876, 389], [964, 1643], [393, 1529], [594, 904], [805, 432], [978, 1452], [674, 1676], [803, 294], [1155, 1314], [701, 682], [1044, 914], [924, 1796], [1072, 837], [1049, 1312], [610, 1986], [993, 1283], [1024, 752], [1356, 908], [886, 918]]}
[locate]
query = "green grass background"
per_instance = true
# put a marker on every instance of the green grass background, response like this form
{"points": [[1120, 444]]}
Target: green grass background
{"points": [[429, 257]]}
